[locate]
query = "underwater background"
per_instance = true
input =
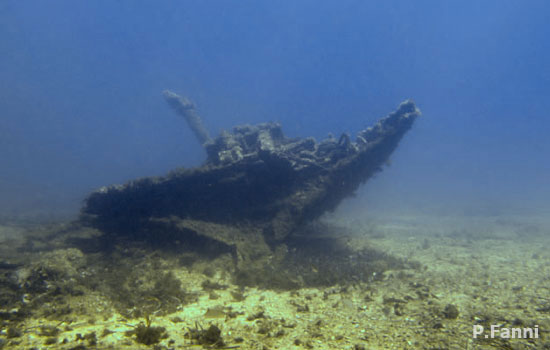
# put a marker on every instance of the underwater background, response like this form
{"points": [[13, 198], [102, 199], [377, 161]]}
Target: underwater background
{"points": [[451, 236], [82, 107]]}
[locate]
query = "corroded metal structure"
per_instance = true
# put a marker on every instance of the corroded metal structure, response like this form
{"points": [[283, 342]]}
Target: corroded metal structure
{"points": [[255, 188]]}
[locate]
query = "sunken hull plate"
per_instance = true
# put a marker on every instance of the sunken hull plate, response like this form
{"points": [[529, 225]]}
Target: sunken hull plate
{"points": [[256, 183]]}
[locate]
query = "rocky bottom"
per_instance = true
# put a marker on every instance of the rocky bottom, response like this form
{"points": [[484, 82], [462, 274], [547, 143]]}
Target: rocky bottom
{"points": [[428, 284]]}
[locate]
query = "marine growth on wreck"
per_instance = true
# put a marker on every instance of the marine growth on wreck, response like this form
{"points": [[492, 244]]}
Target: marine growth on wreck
{"points": [[255, 188]]}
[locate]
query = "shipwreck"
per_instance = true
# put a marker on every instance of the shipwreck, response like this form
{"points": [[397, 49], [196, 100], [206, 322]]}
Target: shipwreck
{"points": [[255, 188]]}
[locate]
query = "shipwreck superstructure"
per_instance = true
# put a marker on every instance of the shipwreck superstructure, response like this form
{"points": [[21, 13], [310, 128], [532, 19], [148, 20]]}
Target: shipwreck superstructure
{"points": [[256, 187]]}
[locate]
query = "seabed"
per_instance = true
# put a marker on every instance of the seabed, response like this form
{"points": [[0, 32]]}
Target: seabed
{"points": [[65, 287]]}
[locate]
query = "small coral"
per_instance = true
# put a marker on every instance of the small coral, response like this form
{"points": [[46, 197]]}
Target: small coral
{"points": [[211, 337], [148, 335]]}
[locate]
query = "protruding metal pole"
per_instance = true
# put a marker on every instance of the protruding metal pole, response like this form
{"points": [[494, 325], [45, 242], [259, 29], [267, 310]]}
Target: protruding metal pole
{"points": [[184, 107]]}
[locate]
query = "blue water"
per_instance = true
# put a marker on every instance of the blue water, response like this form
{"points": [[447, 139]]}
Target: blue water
{"points": [[81, 82]]}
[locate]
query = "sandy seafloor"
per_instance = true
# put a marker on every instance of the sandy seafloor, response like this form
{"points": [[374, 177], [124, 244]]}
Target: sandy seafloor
{"points": [[471, 270]]}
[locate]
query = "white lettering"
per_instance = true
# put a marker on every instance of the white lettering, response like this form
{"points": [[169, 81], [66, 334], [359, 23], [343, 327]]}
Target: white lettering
{"points": [[516, 332], [506, 333], [494, 330], [527, 333], [478, 330]]}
